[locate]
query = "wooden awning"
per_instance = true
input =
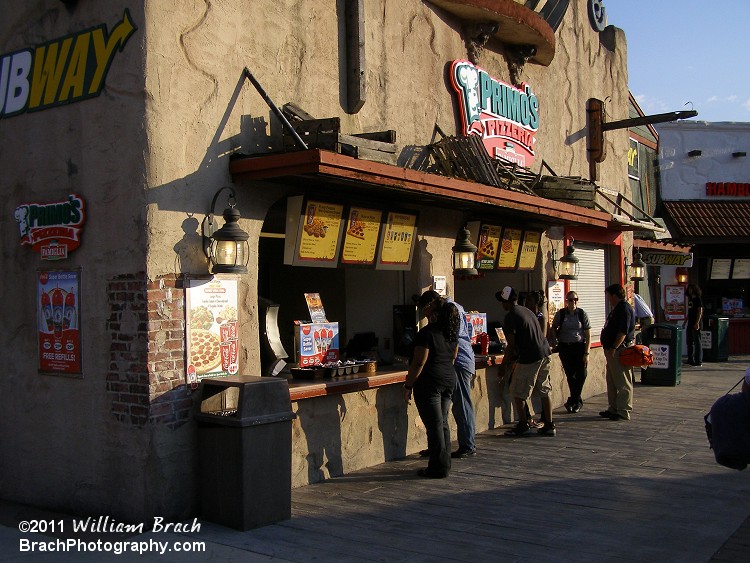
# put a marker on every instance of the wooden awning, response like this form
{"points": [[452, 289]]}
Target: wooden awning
{"points": [[356, 178]]}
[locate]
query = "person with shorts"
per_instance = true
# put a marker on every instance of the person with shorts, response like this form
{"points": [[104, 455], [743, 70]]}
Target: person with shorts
{"points": [[530, 350]]}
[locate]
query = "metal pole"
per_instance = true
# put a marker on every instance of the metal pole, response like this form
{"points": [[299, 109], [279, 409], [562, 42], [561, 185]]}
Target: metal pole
{"points": [[284, 121]]}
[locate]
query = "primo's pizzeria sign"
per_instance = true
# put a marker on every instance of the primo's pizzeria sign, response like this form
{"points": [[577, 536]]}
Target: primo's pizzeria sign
{"points": [[505, 117], [52, 229]]}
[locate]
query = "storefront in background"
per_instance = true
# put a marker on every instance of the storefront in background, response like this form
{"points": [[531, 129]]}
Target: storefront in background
{"points": [[122, 123], [705, 177]]}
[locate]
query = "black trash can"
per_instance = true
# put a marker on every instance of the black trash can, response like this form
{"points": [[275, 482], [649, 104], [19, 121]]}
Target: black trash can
{"points": [[665, 342], [245, 451], [719, 350]]}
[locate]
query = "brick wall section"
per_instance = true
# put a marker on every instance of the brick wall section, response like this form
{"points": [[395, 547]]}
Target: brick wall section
{"points": [[147, 352]]}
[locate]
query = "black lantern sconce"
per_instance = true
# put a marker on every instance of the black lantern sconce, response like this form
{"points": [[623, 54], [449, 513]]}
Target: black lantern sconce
{"points": [[638, 266], [567, 267], [227, 248], [464, 254]]}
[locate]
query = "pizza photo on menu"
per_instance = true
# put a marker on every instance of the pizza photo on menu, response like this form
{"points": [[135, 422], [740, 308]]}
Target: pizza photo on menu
{"points": [[205, 350]]}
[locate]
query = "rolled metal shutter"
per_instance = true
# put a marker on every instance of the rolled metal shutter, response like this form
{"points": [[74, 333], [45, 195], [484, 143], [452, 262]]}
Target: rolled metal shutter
{"points": [[590, 285]]}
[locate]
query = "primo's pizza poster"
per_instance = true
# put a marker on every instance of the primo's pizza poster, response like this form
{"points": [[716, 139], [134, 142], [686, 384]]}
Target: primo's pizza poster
{"points": [[58, 314], [212, 346]]}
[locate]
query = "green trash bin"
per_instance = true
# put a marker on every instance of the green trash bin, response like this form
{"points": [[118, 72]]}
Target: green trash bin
{"points": [[665, 342], [719, 350]]}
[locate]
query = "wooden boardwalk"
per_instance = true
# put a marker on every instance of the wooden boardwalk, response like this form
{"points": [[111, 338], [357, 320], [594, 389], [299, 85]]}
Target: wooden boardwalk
{"points": [[644, 490]]}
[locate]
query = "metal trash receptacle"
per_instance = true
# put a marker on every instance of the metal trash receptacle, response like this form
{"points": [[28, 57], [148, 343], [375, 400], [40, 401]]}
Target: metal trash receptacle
{"points": [[719, 350], [245, 451], [665, 342]]}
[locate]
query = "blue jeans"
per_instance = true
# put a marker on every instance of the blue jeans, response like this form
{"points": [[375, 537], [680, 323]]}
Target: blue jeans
{"points": [[433, 403], [463, 411]]}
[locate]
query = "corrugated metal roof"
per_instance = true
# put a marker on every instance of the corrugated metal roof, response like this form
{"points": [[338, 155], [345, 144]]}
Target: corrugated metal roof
{"points": [[702, 220]]}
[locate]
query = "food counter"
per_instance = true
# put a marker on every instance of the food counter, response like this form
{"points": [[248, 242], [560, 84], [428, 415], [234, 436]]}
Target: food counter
{"points": [[305, 389]]}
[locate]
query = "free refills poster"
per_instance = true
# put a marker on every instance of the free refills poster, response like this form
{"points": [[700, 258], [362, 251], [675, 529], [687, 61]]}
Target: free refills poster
{"points": [[58, 317]]}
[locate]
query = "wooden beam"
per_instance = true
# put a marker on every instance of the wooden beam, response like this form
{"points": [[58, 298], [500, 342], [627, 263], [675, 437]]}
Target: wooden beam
{"points": [[355, 55]]}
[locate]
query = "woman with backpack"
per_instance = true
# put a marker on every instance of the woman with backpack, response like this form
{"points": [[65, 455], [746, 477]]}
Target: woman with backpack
{"points": [[572, 328]]}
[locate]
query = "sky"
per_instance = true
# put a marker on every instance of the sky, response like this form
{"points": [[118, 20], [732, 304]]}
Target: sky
{"points": [[682, 51]]}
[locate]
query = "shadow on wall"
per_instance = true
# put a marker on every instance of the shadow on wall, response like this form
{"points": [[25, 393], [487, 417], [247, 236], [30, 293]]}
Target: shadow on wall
{"points": [[393, 421], [321, 426]]}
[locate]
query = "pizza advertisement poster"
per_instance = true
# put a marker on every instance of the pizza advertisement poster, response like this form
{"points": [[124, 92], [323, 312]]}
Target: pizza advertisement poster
{"points": [[509, 247], [361, 236], [319, 237], [58, 322], [555, 298], [529, 250], [211, 311], [675, 308], [397, 242], [488, 245]]}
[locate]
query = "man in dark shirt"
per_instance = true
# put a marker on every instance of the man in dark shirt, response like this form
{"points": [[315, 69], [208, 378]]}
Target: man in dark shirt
{"points": [[530, 350], [618, 333]]}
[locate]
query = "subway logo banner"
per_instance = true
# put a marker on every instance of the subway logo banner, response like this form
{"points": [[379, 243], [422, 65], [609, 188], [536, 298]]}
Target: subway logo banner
{"points": [[62, 71]]}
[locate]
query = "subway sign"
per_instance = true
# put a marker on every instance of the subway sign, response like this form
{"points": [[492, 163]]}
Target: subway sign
{"points": [[505, 117], [652, 258], [62, 71]]}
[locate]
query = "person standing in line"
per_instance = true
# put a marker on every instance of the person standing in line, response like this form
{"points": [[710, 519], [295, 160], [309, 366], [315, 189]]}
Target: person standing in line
{"points": [[617, 334], [573, 331], [432, 380], [465, 365], [534, 301], [692, 325], [530, 350]]}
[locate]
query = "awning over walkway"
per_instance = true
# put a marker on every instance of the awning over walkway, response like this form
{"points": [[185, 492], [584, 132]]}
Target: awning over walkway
{"points": [[723, 222], [355, 178]]}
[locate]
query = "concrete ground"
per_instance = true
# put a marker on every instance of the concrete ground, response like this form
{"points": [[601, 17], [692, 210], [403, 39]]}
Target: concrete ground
{"points": [[644, 490]]}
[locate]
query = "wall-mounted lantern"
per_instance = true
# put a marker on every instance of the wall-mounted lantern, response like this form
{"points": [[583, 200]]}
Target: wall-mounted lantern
{"points": [[227, 248], [567, 267], [681, 275], [638, 267], [464, 254]]}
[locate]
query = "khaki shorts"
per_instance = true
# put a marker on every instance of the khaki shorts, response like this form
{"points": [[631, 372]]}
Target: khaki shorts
{"points": [[531, 378]]}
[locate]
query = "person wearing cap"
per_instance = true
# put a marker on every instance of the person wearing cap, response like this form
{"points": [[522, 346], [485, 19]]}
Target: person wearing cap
{"points": [[530, 350], [728, 427], [617, 334]]}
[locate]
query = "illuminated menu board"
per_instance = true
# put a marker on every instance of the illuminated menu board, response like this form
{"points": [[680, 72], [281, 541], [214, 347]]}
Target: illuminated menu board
{"points": [[529, 249], [313, 232], [509, 248], [361, 236], [488, 246], [397, 241]]}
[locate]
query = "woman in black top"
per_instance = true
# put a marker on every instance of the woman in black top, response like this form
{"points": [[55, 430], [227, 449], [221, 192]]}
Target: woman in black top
{"points": [[432, 378], [693, 325]]}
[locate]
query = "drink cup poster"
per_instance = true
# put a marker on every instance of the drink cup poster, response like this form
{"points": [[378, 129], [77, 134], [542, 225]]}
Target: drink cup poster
{"points": [[58, 320]]}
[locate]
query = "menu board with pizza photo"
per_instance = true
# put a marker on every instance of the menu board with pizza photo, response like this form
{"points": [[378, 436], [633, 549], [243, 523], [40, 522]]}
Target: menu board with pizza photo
{"points": [[509, 247], [361, 236], [211, 312], [488, 247]]}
